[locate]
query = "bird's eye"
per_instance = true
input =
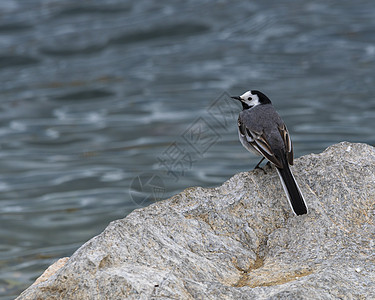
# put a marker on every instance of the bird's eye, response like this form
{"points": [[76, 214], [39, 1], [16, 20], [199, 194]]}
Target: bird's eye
{"points": [[249, 98]]}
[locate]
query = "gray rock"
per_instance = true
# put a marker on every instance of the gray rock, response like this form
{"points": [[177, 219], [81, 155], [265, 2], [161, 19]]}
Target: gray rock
{"points": [[239, 241]]}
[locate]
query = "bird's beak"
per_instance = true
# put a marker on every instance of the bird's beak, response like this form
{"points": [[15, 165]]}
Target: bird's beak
{"points": [[237, 98]]}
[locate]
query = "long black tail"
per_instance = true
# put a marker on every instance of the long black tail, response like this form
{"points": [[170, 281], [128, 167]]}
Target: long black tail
{"points": [[292, 190]]}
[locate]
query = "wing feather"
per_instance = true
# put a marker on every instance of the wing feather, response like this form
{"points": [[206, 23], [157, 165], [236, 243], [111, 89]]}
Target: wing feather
{"points": [[262, 145], [258, 141], [287, 142]]}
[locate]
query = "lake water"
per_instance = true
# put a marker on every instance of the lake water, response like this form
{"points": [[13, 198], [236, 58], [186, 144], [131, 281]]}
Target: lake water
{"points": [[108, 106]]}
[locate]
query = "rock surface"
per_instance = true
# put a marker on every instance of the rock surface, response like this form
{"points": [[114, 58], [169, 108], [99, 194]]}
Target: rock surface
{"points": [[52, 269], [239, 241]]}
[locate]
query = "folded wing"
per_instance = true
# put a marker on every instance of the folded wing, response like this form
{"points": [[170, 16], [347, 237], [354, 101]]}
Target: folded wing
{"points": [[287, 142], [258, 141]]}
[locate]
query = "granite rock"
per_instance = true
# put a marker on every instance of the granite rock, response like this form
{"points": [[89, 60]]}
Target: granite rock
{"points": [[239, 241]]}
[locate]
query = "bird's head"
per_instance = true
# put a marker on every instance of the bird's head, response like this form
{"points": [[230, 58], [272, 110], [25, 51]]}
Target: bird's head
{"points": [[253, 98]]}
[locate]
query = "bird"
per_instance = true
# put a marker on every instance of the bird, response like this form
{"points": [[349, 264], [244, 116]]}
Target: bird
{"points": [[262, 131]]}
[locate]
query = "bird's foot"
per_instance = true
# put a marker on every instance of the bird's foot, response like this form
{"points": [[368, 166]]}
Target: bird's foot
{"points": [[268, 164]]}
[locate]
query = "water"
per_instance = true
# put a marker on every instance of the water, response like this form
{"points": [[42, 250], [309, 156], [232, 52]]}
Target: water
{"points": [[100, 96]]}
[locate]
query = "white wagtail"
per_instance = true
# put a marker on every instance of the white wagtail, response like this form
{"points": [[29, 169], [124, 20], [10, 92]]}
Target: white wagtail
{"points": [[262, 131]]}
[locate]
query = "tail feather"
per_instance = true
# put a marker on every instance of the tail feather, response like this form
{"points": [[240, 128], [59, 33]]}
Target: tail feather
{"points": [[292, 190]]}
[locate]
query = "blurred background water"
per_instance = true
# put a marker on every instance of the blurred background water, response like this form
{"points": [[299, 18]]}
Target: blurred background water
{"points": [[108, 106]]}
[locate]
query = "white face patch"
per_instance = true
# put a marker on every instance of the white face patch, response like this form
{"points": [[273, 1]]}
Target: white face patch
{"points": [[250, 99]]}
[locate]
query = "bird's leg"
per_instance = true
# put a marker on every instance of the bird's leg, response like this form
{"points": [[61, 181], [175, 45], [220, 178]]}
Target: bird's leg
{"points": [[257, 166], [268, 164]]}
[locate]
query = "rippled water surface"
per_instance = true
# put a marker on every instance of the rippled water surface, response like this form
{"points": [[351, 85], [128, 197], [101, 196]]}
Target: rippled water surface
{"points": [[108, 106]]}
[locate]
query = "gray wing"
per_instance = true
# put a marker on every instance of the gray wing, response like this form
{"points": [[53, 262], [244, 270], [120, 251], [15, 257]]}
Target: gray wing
{"points": [[258, 141], [287, 142]]}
